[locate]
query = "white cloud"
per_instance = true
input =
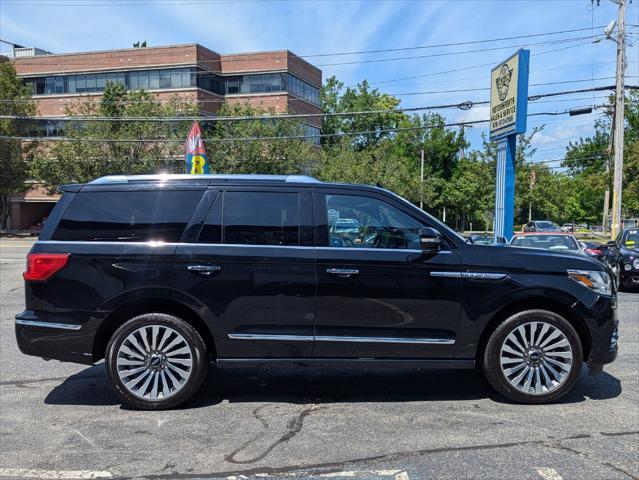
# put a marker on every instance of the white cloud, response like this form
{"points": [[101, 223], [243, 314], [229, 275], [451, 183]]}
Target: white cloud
{"points": [[480, 112]]}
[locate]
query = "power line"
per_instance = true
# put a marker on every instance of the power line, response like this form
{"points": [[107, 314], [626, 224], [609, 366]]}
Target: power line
{"points": [[464, 105], [467, 105], [48, 60], [282, 137], [563, 82]]}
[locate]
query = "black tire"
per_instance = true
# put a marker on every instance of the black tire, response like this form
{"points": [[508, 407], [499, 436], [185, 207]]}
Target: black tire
{"points": [[491, 362], [196, 354]]}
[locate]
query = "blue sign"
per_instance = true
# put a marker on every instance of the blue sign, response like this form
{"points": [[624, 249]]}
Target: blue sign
{"points": [[508, 115]]}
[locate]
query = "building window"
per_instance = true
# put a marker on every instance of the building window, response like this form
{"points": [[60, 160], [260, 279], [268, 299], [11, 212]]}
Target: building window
{"points": [[100, 80], [165, 79], [91, 83], [177, 78], [312, 133], [143, 80]]}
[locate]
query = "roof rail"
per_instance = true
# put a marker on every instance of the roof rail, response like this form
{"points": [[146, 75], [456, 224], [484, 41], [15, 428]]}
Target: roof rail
{"points": [[115, 179]]}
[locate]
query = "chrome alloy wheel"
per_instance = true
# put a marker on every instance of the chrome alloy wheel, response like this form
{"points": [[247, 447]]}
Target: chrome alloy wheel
{"points": [[154, 362], [536, 358]]}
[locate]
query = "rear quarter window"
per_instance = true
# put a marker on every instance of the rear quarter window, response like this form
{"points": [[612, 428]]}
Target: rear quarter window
{"points": [[125, 216]]}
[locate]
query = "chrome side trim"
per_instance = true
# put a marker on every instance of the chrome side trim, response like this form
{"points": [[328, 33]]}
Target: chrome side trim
{"points": [[234, 245], [446, 274], [471, 275], [333, 338], [342, 271], [242, 245], [484, 275], [280, 337], [365, 249], [106, 242], [61, 326], [419, 341]]}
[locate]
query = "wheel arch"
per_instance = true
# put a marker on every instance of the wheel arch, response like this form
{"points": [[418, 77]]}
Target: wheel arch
{"points": [[535, 303], [132, 308]]}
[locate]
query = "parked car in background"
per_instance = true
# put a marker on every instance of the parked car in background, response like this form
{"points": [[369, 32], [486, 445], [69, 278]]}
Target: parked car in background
{"points": [[595, 250], [344, 230], [481, 239], [556, 241], [567, 227], [162, 274], [541, 226], [623, 258]]}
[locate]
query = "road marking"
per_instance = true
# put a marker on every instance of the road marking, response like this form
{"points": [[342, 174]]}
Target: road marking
{"points": [[549, 474], [396, 474], [53, 474], [86, 439]]}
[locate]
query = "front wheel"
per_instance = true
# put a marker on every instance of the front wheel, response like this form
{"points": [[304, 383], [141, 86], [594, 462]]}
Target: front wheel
{"points": [[533, 357], [156, 361]]}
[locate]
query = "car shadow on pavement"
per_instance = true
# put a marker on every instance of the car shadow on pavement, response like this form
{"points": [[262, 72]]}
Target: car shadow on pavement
{"points": [[312, 386]]}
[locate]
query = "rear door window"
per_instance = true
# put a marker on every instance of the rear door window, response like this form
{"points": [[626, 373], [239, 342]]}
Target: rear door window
{"points": [[261, 218], [125, 216]]}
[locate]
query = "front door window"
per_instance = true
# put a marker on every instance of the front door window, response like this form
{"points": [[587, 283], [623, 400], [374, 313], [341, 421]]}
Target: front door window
{"points": [[365, 222]]}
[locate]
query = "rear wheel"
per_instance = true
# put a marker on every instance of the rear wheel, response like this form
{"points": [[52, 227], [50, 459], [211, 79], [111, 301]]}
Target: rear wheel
{"points": [[156, 361], [533, 357]]}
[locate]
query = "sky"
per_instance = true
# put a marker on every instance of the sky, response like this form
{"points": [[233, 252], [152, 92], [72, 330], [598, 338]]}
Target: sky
{"points": [[312, 27]]}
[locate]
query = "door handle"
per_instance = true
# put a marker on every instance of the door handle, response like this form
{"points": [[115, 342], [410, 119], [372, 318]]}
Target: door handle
{"points": [[342, 272], [204, 270]]}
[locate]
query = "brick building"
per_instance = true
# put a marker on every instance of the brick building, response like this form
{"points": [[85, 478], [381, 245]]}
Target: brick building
{"points": [[277, 80]]}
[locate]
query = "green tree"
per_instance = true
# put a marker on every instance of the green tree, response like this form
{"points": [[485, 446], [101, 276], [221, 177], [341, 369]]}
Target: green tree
{"points": [[117, 146], [335, 99], [231, 149], [14, 155], [379, 165], [471, 192], [586, 161]]}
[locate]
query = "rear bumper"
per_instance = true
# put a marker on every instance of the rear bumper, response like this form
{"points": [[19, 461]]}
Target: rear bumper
{"points": [[57, 339]]}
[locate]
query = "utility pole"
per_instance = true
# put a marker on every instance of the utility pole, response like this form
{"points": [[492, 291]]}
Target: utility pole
{"points": [[619, 119], [606, 206], [421, 185], [533, 179]]}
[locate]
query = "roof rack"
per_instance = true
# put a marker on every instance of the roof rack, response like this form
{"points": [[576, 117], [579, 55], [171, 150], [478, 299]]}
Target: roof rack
{"points": [[115, 179]]}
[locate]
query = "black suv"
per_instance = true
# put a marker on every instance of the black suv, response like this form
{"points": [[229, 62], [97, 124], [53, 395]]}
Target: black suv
{"points": [[623, 257], [161, 275]]}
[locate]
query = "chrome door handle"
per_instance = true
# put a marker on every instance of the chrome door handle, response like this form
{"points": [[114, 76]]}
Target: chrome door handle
{"points": [[204, 270], [342, 272]]}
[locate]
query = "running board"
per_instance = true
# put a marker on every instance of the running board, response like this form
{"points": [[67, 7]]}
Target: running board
{"points": [[437, 364]]}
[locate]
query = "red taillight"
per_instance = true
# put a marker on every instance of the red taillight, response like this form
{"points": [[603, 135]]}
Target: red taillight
{"points": [[592, 251], [41, 266]]}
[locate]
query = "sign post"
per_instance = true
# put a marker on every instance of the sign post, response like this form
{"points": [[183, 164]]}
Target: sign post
{"points": [[508, 114]]}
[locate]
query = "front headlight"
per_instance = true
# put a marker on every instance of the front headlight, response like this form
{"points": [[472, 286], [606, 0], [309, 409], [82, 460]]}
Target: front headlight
{"points": [[594, 280], [635, 263]]}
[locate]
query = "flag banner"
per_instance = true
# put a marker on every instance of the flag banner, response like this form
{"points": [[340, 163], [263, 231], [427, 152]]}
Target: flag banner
{"points": [[196, 160]]}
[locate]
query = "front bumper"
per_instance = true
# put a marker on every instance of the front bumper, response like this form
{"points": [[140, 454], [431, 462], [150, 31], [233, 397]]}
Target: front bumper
{"points": [[604, 352], [52, 338], [630, 278]]}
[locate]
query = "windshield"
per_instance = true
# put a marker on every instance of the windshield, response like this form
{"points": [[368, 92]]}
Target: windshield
{"points": [[547, 242], [346, 224], [631, 239], [546, 225]]}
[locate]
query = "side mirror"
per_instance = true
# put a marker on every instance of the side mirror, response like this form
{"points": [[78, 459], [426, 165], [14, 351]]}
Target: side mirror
{"points": [[430, 239]]}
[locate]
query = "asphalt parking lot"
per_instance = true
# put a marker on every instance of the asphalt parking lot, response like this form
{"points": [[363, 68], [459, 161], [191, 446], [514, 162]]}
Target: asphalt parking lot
{"points": [[62, 421]]}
